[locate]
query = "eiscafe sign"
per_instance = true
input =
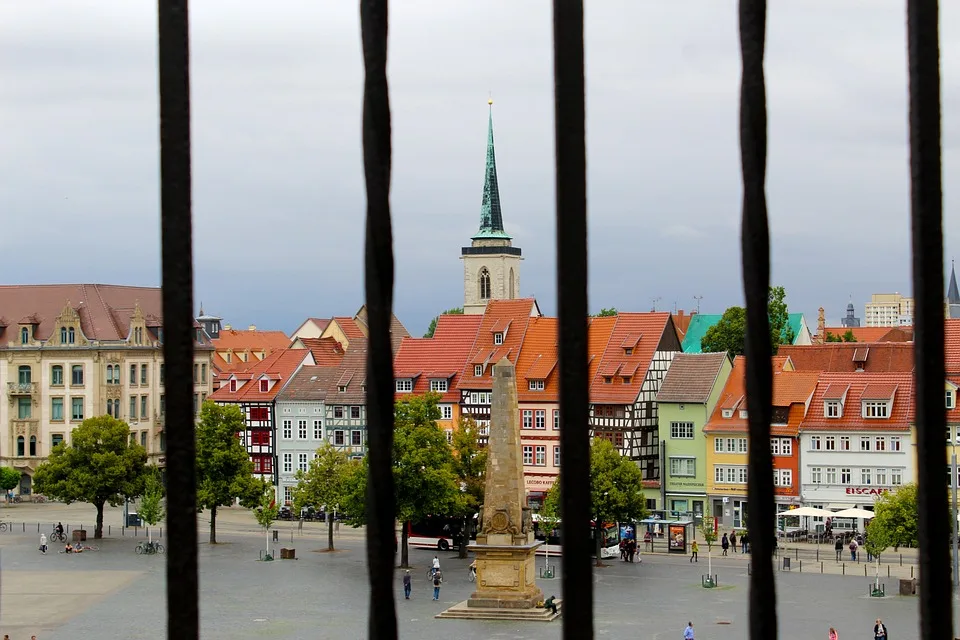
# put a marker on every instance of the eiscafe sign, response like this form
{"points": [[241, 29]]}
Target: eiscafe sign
{"points": [[866, 491]]}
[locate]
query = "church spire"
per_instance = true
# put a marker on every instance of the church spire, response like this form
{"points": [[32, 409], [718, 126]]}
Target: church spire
{"points": [[953, 292], [491, 218]]}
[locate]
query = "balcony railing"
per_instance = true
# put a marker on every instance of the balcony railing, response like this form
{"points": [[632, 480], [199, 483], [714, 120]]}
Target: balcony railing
{"points": [[22, 388]]}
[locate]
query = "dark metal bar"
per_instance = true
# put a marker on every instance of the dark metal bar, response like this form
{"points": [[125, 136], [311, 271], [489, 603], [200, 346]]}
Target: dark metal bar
{"points": [[177, 258], [926, 209], [378, 279], [755, 241], [571, 150]]}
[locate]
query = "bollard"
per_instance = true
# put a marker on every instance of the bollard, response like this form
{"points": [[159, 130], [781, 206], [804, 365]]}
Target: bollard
{"points": [[864, 571], [109, 529], [821, 567], [161, 532], [911, 571], [38, 527], [818, 554], [801, 566], [123, 531], [888, 571], [796, 553], [843, 569], [901, 559], [24, 526], [136, 531]]}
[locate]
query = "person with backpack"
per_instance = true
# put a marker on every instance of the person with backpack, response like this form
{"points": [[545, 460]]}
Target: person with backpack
{"points": [[853, 551], [437, 580]]}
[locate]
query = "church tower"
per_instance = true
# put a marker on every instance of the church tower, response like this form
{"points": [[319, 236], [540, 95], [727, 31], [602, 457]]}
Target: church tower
{"points": [[491, 264]]}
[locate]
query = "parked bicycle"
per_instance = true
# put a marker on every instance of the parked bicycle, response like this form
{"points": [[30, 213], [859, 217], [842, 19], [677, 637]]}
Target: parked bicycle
{"points": [[3, 526], [149, 548], [16, 499], [39, 499]]}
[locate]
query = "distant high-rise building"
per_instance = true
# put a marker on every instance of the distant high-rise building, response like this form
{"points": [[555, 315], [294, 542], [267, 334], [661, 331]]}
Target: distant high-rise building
{"points": [[850, 320], [889, 310]]}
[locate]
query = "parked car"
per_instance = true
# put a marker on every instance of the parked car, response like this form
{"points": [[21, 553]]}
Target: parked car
{"points": [[285, 513]]}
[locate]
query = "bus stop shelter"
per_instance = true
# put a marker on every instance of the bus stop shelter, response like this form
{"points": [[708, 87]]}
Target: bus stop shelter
{"points": [[670, 536]]}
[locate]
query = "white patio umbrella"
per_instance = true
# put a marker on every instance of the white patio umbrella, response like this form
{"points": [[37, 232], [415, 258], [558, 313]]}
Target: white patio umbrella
{"points": [[855, 513], [810, 512]]}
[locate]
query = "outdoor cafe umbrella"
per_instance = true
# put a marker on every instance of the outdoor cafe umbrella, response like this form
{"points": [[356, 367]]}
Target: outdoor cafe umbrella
{"points": [[809, 512], [855, 513]]}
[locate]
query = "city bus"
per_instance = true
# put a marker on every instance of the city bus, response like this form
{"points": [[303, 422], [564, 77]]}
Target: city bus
{"points": [[609, 548], [438, 532]]}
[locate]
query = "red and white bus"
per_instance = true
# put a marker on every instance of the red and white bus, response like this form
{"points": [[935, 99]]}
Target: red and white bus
{"points": [[438, 532]]}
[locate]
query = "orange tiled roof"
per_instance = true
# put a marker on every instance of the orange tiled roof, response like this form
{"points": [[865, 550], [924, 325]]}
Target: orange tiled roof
{"points": [[442, 356], [598, 335], [538, 361], [351, 376], [840, 356], [645, 331], [278, 367], [873, 334], [484, 351], [349, 327], [734, 396], [862, 386], [246, 342], [327, 352], [952, 343]]}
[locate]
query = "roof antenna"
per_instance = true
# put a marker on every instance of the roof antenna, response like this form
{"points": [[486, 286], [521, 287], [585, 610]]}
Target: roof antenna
{"points": [[698, 299]]}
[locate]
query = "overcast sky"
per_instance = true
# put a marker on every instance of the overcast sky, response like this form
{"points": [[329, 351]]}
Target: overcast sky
{"points": [[278, 182]]}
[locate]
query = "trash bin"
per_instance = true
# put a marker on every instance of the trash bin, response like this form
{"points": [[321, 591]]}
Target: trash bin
{"points": [[79, 535], [134, 520], [908, 586]]}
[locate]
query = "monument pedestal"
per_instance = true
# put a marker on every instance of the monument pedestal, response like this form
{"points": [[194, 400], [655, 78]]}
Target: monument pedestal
{"points": [[506, 576]]}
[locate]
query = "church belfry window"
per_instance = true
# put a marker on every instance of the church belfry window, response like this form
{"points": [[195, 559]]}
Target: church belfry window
{"points": [[484, 284]]}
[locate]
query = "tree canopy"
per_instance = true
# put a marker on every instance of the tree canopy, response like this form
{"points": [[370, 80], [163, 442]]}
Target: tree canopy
{"points": [[730, 332], [895, 522], [612, 311], [151, 504], [324, 484], [266, 511], [101, 465], [425, 480], [9, 478], [847, 336], [224, 469], [616, 489], [470, 465], [456, 311]]}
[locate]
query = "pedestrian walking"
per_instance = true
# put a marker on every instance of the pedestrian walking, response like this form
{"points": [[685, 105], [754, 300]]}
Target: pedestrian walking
{"points": [[879, 631], [623, 550], [437, 580], [688, 632], [733, 540], [694, 550], [631, 549], [43, 543], [838, 547], [725, 544], [744, 542], [407, 585], [833, 635], [853, 551]]}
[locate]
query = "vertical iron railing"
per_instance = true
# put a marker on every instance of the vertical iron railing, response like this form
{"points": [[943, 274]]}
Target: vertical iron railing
{"points": [[923, 45], [571, 190], [755, 246], [177, 291], [378, 280], [927, 246]]}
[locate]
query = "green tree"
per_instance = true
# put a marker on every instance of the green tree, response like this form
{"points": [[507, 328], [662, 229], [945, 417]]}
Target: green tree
{"points": [[265, 513], [456, 311], [612, 311], [470, 465], [9, 479], [323, 484], [224, 470], [895, 522], [876, 541], [709, 536], [832, 337], [151, 504], [616, 491], [849, 336], [424, 478], [101, 465], [730, 332]]}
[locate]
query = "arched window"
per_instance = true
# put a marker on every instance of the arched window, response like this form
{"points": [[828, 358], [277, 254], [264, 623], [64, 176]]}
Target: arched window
{"points": [[24, 335], [56, 375], [33, 445], [20, 443], [513, 287], [73, 335], [109, 377], [484, 284], [110, 408], [63, 334]]}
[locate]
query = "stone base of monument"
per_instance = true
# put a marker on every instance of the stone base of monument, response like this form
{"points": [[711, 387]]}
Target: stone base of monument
{"points": [[463, 611]]}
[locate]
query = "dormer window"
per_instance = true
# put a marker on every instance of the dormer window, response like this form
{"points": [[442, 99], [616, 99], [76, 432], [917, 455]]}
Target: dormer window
{"points": [[743, 414], [439, 385], [404, 385], [478, 370], [727, 413], [607, 379], [498, 338], [24, 335], [264, 386], [233, 386], [227, 357], [63, 335], [342, 388], [71, 335], [628, 351], [536, 385], [831, 409], [874, 409], [627, 379]]}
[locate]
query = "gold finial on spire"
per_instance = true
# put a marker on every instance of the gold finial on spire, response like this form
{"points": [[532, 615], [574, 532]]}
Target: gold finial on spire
{"points": [[490, 98]]}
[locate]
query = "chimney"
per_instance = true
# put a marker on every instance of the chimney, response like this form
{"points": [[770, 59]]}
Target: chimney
{"points": [[821, 328], [252, 327]]}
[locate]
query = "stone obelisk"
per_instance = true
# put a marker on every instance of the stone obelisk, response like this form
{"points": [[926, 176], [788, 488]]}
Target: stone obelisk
{"points": [[505, 548]]}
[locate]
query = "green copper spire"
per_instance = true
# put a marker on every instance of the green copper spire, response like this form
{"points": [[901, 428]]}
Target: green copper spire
{"points": [[491, 218]]}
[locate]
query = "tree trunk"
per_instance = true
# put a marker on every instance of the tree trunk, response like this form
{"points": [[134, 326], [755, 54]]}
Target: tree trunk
{"points": [[404, 553], [267, 530], [464, 538], [329, 532], [213, 524], [598, 534], [98, 531]]}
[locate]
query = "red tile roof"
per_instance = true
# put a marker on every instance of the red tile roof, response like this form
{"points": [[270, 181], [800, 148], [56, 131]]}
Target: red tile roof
{"points": [[442, 356], [311, 383], [538, 361], [840, 356], [279, 366], [349, 327], [691, 377], [483, 350], [952, 343], [248, 343], [327, 352], [352, 376], [645, 330], [862, 386], [734, 396]]}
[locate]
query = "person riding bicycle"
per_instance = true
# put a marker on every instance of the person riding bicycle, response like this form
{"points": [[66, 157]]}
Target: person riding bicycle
{"points": [[473, 567], [59, 529]]}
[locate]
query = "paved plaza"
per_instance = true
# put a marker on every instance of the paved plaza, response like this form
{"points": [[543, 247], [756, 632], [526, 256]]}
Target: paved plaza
{"points": [[114, 593]]}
